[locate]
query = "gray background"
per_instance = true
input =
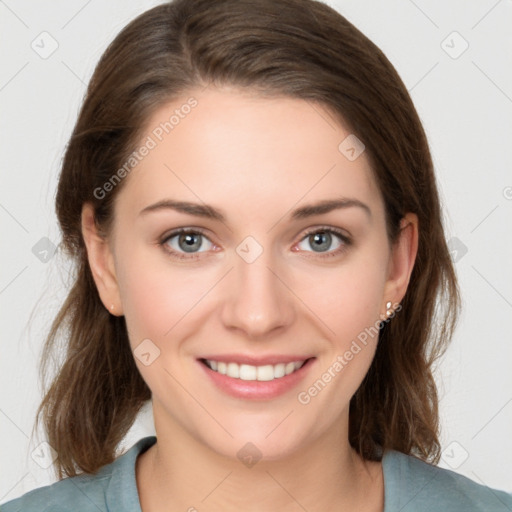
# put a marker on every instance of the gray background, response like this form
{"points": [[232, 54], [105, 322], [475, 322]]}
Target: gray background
{"points": [[464, 97]]}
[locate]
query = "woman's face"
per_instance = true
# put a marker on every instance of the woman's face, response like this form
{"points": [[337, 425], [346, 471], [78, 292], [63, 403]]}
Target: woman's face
{"points": [[284, 260]]}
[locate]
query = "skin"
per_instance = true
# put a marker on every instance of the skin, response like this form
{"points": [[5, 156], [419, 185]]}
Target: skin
{"points": [[255, 159]]}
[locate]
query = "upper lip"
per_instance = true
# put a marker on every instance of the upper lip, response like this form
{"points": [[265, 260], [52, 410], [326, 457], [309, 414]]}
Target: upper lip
{"points": [[256, 360]]}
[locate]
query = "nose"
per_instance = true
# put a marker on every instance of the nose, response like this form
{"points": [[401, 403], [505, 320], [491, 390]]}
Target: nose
{"points": [[257, 302]]}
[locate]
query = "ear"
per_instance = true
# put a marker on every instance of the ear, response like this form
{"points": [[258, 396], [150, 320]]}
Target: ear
{"points": [[402, 260], [101, 262]]}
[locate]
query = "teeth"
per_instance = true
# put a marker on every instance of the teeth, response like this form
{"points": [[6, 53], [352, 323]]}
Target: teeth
{"points": [[233, 370], [249, 372]]}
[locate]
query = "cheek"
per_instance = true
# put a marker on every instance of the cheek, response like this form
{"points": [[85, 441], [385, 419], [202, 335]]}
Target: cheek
{"points": [[159, 304], [348, 303], [156, 296], [348, 298]]}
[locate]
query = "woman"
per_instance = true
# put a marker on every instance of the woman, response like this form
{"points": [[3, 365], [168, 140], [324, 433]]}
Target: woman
{"points": [[250, 200]]}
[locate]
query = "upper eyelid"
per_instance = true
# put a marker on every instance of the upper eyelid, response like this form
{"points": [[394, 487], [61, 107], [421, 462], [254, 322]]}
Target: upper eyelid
{"points": [[336, 231]]}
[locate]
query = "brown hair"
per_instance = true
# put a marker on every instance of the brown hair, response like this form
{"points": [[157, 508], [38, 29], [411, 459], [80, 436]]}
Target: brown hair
{"points": [[296, 48]]}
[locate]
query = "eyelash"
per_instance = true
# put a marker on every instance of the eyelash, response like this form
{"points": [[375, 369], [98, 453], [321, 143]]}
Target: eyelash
{"points": [[347, 242]]}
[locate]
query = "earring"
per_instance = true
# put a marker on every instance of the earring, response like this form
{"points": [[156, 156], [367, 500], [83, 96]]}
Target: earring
{"points": [[389, 311], [112, 308]]}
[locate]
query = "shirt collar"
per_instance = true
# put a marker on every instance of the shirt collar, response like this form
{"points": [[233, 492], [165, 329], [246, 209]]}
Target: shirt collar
{"points": [[122, 494]]}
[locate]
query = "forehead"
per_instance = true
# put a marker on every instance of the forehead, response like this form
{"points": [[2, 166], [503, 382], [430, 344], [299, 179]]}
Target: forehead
{"points": [[233, 147]]}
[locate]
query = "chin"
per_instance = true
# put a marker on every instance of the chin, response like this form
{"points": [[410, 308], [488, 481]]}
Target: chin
{"points": [[269, 439]]}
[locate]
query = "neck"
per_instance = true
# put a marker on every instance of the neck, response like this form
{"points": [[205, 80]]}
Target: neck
{"points": [[181, 473]]}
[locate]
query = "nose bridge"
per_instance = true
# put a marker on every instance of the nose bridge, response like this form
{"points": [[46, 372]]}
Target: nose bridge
{"points": [[257, 303]]}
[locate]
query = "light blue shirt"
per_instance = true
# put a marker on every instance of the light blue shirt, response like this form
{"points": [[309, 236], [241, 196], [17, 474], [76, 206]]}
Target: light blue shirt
{"points": [[410, 485]]}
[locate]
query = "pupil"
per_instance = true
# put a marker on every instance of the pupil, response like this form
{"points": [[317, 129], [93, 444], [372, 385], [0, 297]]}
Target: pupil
{"points": [[190, 242], [320, 241]]}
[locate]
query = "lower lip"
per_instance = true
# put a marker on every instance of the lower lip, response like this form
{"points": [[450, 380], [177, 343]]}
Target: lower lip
{"points": [[256, 389]]}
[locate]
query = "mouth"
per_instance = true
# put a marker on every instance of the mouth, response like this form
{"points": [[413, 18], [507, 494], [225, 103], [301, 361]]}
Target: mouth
{"points": [[256, 379], [248, 372]]}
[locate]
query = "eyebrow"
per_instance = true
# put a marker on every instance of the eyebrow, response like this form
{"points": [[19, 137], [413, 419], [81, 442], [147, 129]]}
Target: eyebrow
{"points": [[209, 212]]}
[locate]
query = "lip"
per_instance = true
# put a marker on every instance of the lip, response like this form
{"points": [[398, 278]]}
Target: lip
{"points": [[256, 390]]}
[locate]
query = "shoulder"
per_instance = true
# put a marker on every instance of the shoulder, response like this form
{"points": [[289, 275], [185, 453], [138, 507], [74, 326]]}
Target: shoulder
{"points": [[113, 484], [412, 485], [84, 492]]}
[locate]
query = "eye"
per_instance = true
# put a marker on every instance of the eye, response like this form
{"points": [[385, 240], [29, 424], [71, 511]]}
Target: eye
{"points": [[324, 240], [187, 241]]}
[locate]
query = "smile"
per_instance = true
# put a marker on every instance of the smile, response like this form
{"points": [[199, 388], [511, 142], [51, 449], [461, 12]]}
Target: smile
{"points": [[249, 372]]}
